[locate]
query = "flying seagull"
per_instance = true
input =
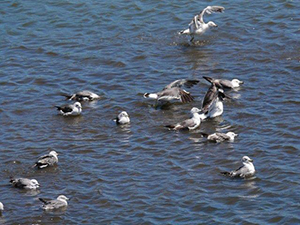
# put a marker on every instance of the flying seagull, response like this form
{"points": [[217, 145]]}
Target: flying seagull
{"points": [[212, 105], [189, 124], [219, 137], [197, 26], [70, 110], [83, 96], [122, 118], [174, 91], [58, 203], [25, 183], [47, 160], [223, 83], [247, 170]]}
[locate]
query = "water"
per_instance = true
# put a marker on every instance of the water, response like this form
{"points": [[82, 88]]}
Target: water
{"points": [[144, 173]]}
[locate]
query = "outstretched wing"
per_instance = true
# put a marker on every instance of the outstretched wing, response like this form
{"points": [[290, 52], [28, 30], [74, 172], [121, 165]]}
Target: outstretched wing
{"points": [[182, 82], [210, 10]]}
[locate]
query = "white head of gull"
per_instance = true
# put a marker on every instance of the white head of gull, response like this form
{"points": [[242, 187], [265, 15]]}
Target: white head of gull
{"points": [[123, 118], [60, 202], [197, 26], [245, 171], [189, 124], [70, 109]]}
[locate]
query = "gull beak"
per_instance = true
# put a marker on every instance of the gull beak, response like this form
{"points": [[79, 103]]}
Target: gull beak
{"points": [[251, 160], [241, 82]]}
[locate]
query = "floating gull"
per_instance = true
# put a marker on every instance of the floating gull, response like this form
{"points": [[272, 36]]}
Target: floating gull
{"points": [[25, 183], [58, 203], [47, 160], [212, 105], [197, 26], [189, 124], [71, 109], [83, 96], [247, 170], [1, 207], [122, 118], [219, 137], [222, 83], [173, 91]]}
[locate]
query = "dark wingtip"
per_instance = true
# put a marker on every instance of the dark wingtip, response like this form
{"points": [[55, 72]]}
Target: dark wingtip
{"points": [[42, 200], [146, 95], [209, 79], [170, 126]]}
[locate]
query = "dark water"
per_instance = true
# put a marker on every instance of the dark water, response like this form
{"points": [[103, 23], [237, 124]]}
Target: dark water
{"points": [[143, 173]]}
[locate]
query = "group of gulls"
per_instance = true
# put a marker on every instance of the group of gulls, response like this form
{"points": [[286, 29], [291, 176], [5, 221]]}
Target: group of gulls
{"points": [[212, 106]]}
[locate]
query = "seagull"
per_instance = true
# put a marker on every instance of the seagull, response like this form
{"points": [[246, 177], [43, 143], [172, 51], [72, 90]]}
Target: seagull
{"points": [[1, 207], [122, 118], [219, 137], [224, 84], [212, 105], [70, 110], [197, 26], [247, 170], [58, 203], [83, 96], [189, 124], [47, 160], [173, 91], [25, 183]]}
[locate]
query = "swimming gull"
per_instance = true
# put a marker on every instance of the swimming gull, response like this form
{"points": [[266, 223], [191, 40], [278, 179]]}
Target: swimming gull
{"points": [[223, 83], [122, 118], [25, 183], [1, 207], [173, 91], [70, 110], [83, 96], [47, 160], [58, 203], [219, 137], [189, 124], [197, 26], [212, 105], [247, 170]]}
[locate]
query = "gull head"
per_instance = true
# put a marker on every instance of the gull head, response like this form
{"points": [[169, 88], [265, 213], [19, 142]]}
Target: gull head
{"points": [[211, 24], [232, 135], [35, 183], [54, 153], [246, 159], [123, 114], [78, 105], [236, 82], [62, 197], [195, 110]]}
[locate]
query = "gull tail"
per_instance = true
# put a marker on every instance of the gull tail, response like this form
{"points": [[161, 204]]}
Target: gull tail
{"points": [[69, 97], [150, 95], [186, 31], [58, 107], [204, 134], [42, 200], [170, 127], [225, 173]]}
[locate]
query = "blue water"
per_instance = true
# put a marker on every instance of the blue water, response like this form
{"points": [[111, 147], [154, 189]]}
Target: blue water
{"points": [[144, 173]]}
